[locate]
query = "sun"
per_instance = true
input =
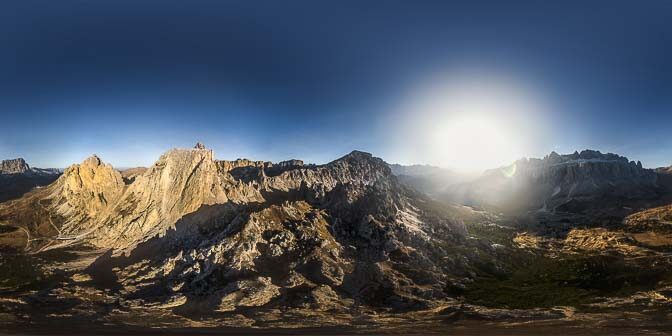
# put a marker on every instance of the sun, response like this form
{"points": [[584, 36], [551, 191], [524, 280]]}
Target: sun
{"points": [[473, 142], [471, 123]]}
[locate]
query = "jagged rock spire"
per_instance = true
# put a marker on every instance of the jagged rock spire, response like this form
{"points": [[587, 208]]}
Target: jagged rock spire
{"points": [[199, 146]]}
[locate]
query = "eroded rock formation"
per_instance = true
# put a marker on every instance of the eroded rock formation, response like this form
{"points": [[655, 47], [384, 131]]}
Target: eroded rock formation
{"points": [[14, 166], [18, 178], [206, 234], [573, 183]]}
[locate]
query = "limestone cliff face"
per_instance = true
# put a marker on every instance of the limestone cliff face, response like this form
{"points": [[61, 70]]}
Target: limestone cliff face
{"points": [[68, 209], [14, 166], [561, 182], [179, 183], [588, 173], [317, 235], [86, 190], [19, 166], [357, 168], [91, 203], [241, 233], [17, 178]]}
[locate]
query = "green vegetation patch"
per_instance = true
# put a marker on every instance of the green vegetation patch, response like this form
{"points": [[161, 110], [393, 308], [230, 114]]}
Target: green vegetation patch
{"points": [[534, 280]]}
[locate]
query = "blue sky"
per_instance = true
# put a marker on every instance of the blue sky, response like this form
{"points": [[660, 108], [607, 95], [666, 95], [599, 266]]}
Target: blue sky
{"points": [[314, 79]]}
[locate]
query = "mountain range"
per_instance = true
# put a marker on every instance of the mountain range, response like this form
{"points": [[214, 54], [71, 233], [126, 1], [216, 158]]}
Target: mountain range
{"points": [[197, 241], [17, 178], [576, 182]]}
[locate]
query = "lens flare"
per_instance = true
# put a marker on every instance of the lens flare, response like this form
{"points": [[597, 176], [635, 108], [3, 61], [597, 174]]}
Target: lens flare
{"points": [[510, 170]]}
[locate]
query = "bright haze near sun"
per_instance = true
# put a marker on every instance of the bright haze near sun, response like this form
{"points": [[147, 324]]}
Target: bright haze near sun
{"points": [[470, 121]]}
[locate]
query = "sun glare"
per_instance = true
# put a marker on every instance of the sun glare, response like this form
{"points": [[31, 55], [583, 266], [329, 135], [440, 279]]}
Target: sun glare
{"points": [[477, 141], [472, 123]]}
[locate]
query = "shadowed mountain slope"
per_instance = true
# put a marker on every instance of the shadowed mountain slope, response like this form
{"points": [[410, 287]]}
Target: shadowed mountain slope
{"points": [[574, 183], [18, 178], [217, 235]]}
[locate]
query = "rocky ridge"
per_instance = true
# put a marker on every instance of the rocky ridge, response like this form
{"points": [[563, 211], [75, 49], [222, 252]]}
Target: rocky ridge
{"points": [[195, 241], [18, 178], [574, 183], [220, 235], [19, 166], [14, 166], [664, 170]]}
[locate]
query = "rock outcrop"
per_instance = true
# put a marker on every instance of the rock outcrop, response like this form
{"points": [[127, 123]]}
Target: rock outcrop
{"points": [[664, 170], [194, 241], [219, 235], [179, 183], [66, 210], [87, 189], [658, 220], [307, 236], [14, 166], [574, 183], [18, 178]]}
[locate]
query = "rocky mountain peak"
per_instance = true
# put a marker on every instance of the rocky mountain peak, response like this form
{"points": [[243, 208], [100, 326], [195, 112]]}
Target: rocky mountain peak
{"points": [[17, 178], [90, 169], [91, 172], [364, 159], [88, 187], [581, 180], [179, 183], [584, 155], [92, 161], [358, 155], [208, 225], [181, 157], [14, 166]]}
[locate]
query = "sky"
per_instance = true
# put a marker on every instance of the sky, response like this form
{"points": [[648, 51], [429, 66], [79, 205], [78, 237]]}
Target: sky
{"points": [[464, 85]]}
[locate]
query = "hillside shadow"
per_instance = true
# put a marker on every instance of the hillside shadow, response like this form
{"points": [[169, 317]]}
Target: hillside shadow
{"points": [[189, 232], [13, 186]]}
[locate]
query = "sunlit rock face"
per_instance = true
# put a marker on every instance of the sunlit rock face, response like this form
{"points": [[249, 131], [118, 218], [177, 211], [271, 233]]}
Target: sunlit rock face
{"points": [[87, 189], [217, 235], [180, 182], [68, 209], [574, 183], [657, 220]]}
